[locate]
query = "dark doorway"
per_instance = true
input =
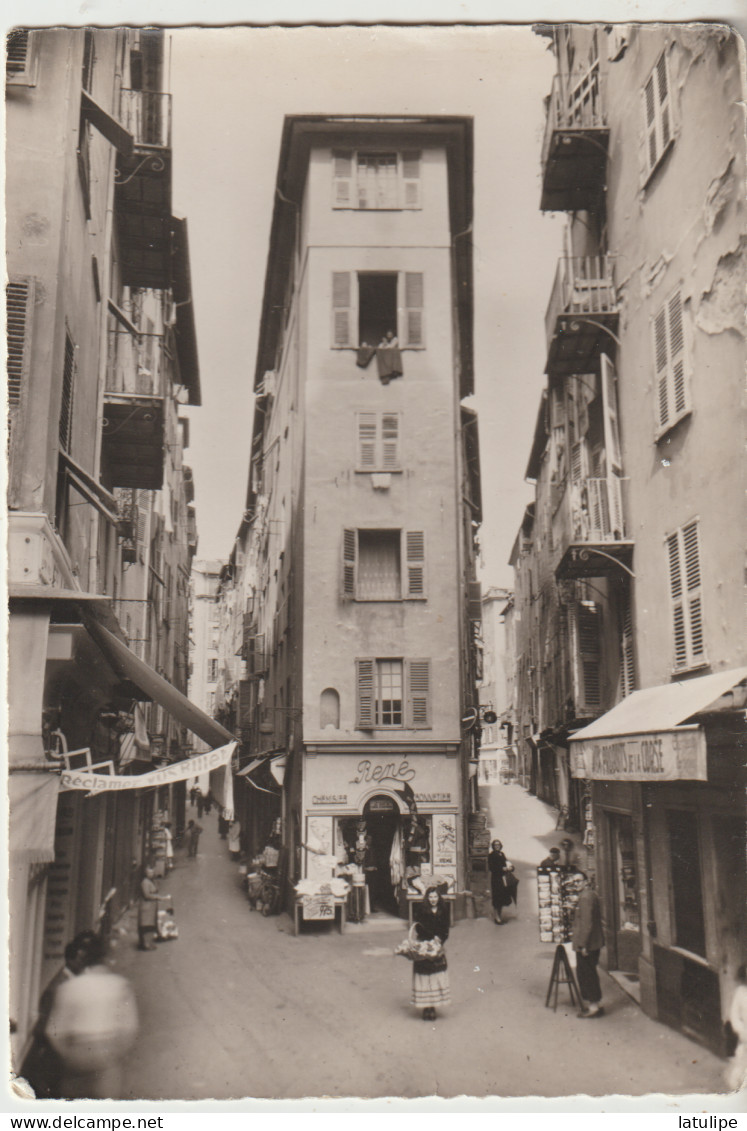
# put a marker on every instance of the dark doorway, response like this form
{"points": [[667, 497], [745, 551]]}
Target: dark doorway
{"points": [[377, 307], [382, 820], [687, 893]]}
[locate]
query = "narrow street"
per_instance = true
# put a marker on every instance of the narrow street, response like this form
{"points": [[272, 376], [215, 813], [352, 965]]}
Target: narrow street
{"points": [[239, 1007]]}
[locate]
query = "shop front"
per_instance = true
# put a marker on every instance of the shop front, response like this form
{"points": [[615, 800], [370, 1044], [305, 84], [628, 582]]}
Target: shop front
{"points": [[665, 769], [387, 819]]}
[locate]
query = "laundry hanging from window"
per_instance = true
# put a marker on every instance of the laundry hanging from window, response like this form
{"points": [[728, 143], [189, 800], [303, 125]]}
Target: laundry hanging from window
{"points": [[388, 358]]}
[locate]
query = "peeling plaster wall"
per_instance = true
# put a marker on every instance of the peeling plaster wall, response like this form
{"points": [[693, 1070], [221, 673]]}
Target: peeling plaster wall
{"points": [[684, 228]]}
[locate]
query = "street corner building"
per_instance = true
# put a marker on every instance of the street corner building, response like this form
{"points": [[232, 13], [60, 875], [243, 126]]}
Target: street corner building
{"points": [[628, 612], [101, 527], [351, 589]]}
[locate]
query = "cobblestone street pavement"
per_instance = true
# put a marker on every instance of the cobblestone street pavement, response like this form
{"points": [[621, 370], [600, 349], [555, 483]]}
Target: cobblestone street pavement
{"points": [[239, 1007]]}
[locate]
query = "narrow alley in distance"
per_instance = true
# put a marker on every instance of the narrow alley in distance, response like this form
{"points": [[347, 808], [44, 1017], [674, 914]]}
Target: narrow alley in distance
{"points": [[239, 1007]]}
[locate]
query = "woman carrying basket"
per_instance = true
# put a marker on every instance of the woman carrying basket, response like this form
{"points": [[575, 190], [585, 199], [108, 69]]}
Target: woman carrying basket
{"points": [[430, 978]]}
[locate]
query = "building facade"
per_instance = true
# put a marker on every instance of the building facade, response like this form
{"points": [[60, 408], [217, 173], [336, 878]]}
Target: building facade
{"points": [[101, 530], [629, 592], [497, 753], [362, 509]]}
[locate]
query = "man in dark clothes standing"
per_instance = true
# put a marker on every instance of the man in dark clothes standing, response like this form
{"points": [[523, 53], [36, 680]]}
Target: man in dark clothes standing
{"points": [[588, 940]]}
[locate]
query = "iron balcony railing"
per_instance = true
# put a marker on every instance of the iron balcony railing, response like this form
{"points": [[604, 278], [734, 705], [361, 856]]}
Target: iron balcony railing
{"points": [[577, 102], [584, 286], [147, 116], [591, 512]]}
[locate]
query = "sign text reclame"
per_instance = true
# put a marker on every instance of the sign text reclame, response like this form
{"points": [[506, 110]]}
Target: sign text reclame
{"points": [[178, 771]]}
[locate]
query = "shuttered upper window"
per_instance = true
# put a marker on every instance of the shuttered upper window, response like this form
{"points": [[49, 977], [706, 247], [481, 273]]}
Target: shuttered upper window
{"points": [[377, 440], [68, 391], [378, 180], [19, 297], [685, 587], [657, 115], [392, 693], [365, 305], [671, 363], [383, 565], [20, 57]]}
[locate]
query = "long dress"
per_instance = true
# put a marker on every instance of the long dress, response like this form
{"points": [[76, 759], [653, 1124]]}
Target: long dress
{"points": [[500, 894], [430, 977]]}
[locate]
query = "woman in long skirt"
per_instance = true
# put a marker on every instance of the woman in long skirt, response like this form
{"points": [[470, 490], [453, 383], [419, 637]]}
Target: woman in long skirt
{"points": [[500, 895], [430, 978]]}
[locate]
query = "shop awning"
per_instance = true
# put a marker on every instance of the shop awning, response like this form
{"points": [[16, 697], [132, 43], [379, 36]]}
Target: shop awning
{"points": [[647, 736], [32, 808], [272, 762], [133, 668], [663, 707]]}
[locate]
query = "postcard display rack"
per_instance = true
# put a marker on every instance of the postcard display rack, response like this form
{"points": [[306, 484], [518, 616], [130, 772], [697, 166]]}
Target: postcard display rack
{"points": [[558, 895]]}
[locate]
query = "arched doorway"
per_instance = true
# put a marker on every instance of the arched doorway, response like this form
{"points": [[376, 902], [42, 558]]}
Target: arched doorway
{"points": [[383, 820]]}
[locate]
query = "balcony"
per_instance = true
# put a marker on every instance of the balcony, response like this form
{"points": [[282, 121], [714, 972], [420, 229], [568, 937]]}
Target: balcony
{"points": [[582, 315], [574, 148], [133, 427], [143, 190], [589, 530]]}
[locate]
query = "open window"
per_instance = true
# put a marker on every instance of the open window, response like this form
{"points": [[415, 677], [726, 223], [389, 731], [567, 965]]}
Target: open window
{"points": [[377, 307], [383, 565], [366, 305]]}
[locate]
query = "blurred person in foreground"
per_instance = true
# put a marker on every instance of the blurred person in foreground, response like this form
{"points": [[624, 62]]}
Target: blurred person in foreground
{"points": [[92, 1025]]}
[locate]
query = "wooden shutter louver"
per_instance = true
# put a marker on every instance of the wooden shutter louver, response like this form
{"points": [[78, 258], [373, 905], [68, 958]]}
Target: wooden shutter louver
{"points": [[342, 180], [627, 654], [349, 559], [17, 51], [415, 563], [677, 352], [418, 694], [342, 308], [364, 694], [19, 297], [657, 111], [413, 308], [588, 622], [411, 178], [685, 584], [670, 361], [389, 441], [66, 407], [367, 441], [691, 554]]}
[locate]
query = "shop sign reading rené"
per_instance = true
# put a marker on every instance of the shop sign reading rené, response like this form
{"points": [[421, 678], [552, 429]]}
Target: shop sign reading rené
{"points": [[673, 755], [366, 771]]}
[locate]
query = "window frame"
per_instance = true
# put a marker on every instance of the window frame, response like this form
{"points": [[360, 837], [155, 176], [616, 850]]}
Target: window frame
{"points": [[344, 302], [666, 379], [413, 560], [662, 111], [416, 693], [345, 186], [28, 75], [684, 565], [378, 441]]}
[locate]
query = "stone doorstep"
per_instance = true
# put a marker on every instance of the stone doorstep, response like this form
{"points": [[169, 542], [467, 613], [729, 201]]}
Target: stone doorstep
{"points": [[629, 983]]}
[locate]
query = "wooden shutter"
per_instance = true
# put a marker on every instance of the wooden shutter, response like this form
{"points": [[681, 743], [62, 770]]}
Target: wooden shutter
{"points": [[19, 297], [18, 58], [68, 388], [670, 361], [627, 654], [657, 114], [389, 441], [342, 309], [410, 181], [364, 694], [588, 621], [414, 563], [418, 676], [367, 441], [609, 409], [349, 563], [678, 611], [342, 178], [413, 309], [691, 559], [664, 105]]}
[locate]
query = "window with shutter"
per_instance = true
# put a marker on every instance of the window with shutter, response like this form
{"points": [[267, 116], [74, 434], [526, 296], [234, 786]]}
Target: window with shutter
{"points": [[20, 58], [418, 694], [68, 389], [19, 296], [657, 115], [349, 557], [342, 311], [588, 624], [378, 441], [413, 309], [685, 587], [671, 364], [415, 563], [376, 180], [627, 654]]}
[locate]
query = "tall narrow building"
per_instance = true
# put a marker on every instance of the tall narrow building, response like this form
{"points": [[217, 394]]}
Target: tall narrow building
{"points": [[364, 497]]}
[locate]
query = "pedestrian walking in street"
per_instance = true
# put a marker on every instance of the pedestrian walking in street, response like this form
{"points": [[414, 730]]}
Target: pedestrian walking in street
{"points": [[511, 884], [588, 939], [222, 825], [169, 846], [430, 977], [147, 911], [736, 1071], [192, 836], [42, 1066], [234, 838], [209, 801], [498, 890], [200, 803], [92, 1025]]}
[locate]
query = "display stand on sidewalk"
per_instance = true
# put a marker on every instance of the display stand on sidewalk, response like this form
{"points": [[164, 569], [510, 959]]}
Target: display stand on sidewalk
{"points": [[562, 975]]}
